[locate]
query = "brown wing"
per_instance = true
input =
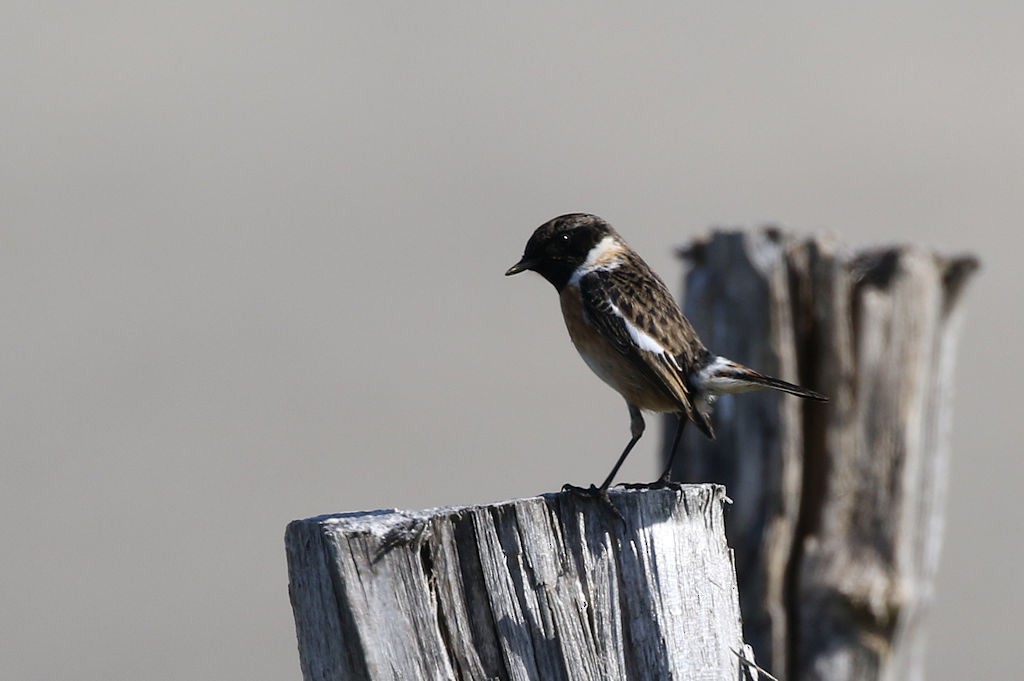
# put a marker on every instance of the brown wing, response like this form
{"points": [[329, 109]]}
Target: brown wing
{"points": [[633, 309]]}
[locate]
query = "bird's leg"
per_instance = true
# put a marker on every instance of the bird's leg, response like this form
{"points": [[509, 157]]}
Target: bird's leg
{"points": [[636, 427], [663, 481]]}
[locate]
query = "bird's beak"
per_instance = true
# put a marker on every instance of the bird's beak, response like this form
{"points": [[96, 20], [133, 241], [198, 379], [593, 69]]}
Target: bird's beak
{"points": [[521, 266]]}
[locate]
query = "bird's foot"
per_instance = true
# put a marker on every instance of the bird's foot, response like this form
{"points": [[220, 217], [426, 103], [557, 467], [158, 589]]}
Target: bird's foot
{"points": [[598, 494], [664, 482]]}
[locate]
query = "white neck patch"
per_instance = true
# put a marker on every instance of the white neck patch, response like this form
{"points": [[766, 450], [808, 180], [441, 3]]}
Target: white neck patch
{"points": [[605, 255]]}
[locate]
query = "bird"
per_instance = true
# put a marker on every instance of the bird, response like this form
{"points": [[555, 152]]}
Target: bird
{"points": [[628, 329]]}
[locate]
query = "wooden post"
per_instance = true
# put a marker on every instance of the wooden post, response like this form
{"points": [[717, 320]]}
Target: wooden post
{"points": [[837, 523], [553, 587]]}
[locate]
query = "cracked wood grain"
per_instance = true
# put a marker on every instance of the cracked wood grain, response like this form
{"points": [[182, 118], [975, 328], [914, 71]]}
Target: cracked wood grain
{"points": [[552, 587], [837, 524]]}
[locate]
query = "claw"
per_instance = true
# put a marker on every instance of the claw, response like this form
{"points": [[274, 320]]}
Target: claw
{"points": [[598, 494], [660, 483]]}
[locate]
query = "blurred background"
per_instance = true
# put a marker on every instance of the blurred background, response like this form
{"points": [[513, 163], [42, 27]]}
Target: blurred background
{"points": [[251, 262]]}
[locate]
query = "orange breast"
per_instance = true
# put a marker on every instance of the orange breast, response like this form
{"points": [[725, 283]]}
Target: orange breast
{"points": [[624, 373]]}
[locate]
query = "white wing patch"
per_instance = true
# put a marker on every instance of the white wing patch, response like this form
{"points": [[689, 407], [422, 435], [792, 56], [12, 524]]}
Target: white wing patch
{"points": [[641, 338]]}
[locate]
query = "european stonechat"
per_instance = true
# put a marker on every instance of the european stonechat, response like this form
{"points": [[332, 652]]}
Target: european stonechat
{"points": [[629, 330]]}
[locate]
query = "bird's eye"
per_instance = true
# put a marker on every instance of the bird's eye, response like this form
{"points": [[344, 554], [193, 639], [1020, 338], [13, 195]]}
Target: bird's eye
{"points": [[565, 236]]}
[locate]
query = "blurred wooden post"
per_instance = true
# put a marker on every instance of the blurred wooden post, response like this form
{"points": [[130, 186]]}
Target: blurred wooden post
{"points": [[837, 523], [553, 587]]}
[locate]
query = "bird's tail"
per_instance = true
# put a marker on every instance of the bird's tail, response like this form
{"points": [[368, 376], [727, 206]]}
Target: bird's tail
{"points": [[722, 376]]}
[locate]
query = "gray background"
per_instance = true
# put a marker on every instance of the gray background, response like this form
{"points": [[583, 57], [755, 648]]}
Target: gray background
{"points": [[251, 262]]}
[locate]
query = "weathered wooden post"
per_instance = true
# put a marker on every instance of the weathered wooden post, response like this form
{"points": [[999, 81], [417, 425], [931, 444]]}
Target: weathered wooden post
{"points": [[837, 523], [546, 588]]}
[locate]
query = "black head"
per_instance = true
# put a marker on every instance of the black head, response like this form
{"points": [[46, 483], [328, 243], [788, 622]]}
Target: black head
{"points": [[561, 245]]}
